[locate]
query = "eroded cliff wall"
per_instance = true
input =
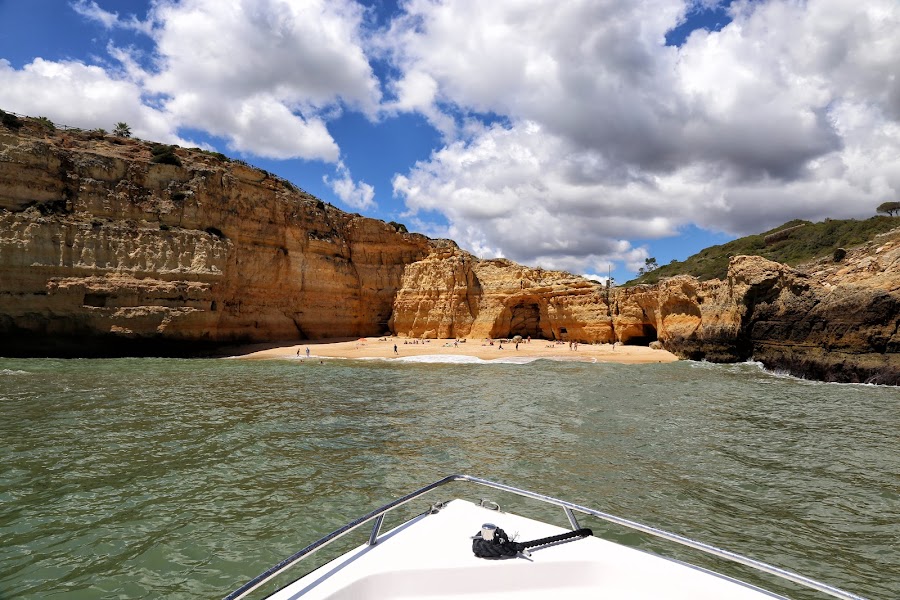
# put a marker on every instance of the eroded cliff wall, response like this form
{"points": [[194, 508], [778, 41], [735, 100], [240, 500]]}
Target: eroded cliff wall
{"points": [[450, 293], [830, 321], [104, 252]]}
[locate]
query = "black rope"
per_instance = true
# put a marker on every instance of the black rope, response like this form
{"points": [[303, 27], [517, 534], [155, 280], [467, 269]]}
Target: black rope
{"points": [[501, 545]]}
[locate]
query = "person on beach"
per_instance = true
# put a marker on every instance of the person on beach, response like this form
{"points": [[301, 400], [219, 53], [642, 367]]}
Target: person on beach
{"points": [[395, 349], [307, 352]]}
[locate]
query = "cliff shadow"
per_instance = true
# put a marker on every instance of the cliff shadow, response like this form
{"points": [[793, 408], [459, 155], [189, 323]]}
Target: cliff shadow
{"points": [[648, 335]]}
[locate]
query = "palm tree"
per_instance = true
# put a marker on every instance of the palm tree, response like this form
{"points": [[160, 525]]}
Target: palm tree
{"points": [[122, 130]]}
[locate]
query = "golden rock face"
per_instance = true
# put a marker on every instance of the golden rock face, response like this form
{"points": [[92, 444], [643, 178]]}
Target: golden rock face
{"points": [[453, 294], [103, 251], [98, 241], [830, 321]]}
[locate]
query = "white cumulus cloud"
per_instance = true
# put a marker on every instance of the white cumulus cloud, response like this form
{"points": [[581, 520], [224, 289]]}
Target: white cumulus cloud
{"points": [[72, 93], [109, 19], [358, 194], [603, 134], [264, 75], [568, 129]]}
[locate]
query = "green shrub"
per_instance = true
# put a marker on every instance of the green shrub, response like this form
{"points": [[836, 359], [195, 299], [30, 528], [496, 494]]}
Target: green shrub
{"points": [[166, 157], [814, 240], [10, 121], [46, 123], [216, 155]]}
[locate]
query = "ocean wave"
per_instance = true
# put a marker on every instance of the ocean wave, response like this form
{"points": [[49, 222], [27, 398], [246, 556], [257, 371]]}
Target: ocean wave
{"points": [[14, 372], [782, 374], [767, 375], [460, 360], [703, 364]]}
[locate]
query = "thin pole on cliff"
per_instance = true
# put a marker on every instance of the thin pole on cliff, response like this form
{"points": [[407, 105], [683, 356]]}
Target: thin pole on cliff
{"points": [[608, 280], [608, 285]]}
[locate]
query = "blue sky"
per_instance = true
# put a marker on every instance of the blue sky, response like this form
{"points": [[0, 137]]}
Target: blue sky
{"points": [[580, 135]]}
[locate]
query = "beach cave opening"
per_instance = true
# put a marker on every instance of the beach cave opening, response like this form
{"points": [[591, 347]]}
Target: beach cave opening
{"points": [[648, 334], [525, 320]]}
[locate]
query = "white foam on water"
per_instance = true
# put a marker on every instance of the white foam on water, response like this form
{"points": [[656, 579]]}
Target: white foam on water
{"points": [[13, 372], [460, 360], [767, 375]]}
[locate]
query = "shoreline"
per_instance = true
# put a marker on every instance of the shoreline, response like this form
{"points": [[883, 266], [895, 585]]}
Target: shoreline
{"points": [[383, 347]]}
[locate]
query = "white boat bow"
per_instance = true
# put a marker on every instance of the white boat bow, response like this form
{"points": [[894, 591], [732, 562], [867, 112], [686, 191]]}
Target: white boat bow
{"points": [[431, 556]]}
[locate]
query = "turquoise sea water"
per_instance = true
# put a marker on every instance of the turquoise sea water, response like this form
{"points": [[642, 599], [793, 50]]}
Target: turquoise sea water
{"points": [[152, 478]]}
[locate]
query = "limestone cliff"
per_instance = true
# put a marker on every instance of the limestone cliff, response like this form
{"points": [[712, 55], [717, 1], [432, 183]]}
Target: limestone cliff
{"points": [[829, 321], [100, 247], [104, 251], [453, 294]]}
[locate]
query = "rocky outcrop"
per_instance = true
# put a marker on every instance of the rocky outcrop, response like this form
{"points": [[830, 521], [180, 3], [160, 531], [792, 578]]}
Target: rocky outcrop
{"points": [[453, 294], [828, 321], [833, 322], [104, 252]]}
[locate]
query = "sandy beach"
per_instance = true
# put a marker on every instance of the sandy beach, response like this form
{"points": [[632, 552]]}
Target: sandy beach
{"points": [[383, 347]]}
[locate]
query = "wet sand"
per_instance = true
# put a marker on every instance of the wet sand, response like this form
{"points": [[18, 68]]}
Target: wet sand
{"points": [[383, 347]]}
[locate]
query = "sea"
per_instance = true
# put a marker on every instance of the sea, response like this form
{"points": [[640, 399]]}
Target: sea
{"points": [[184, 478]]}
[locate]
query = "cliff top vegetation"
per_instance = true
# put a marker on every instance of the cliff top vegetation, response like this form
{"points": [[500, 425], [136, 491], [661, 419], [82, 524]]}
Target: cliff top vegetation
{"points": [[793, 243]]}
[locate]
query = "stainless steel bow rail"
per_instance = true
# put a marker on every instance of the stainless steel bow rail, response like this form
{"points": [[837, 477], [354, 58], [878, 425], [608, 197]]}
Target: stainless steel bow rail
{"points": [[570, 510]]}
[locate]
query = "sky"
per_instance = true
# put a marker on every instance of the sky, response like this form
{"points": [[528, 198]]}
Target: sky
{"points": [[584, 135]]}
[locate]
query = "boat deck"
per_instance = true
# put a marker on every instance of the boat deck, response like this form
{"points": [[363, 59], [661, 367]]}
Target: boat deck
{"points": [[431, 557]]}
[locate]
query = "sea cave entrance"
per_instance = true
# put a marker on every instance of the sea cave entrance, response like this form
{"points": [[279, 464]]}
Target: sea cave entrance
{"points": [[648, 334], [525, 320]]}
